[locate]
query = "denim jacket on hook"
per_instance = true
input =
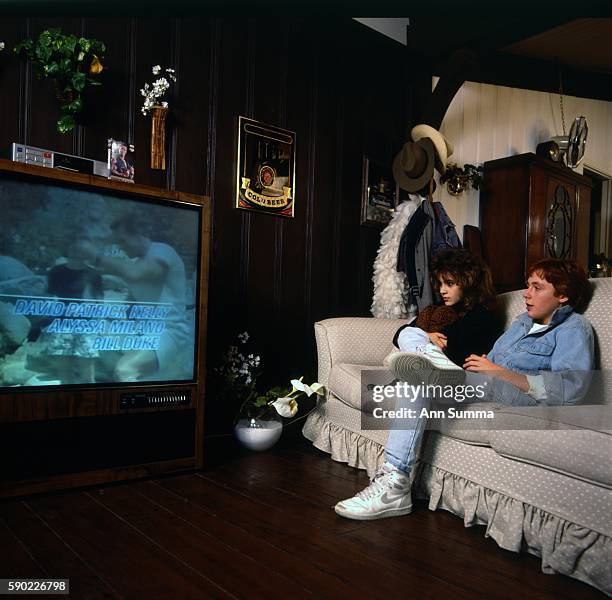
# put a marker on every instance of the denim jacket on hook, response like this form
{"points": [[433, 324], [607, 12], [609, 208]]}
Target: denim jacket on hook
{"points": [[563, 354]]}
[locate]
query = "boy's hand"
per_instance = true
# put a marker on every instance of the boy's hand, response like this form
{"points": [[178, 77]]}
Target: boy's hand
{"points": [[480, 363], [439, 339], [483, 364]]}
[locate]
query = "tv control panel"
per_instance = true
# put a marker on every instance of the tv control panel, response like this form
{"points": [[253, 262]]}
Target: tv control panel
{"points": [[150, 399]]}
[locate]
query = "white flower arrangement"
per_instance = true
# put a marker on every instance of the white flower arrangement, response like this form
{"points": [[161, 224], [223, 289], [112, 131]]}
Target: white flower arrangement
{"points": [[154, 92], [239, 369], [238, 377]]}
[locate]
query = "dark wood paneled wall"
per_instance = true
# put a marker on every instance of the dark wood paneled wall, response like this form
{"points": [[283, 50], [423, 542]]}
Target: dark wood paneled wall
{"points": [[341, 87]]}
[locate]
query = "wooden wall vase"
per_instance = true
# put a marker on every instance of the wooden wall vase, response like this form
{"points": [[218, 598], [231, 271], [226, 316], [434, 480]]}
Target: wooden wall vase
{"points": [[158, 137]]}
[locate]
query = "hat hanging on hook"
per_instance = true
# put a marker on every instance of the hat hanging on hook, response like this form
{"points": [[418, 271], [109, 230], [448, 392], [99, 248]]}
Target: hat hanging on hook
{"points": [[442, 146], [414, 165]]}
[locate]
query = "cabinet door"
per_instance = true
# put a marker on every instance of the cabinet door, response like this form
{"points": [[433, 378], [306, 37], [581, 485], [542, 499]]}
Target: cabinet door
{"points": [[561, 210]]}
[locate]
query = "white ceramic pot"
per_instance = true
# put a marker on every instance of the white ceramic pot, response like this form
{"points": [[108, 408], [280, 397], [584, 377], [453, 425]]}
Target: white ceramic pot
{"points": [[258, 434]]}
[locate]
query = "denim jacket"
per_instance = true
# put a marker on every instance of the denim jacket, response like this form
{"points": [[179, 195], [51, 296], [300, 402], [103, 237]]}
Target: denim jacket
{"points": [[563, 354], [444, 231]]}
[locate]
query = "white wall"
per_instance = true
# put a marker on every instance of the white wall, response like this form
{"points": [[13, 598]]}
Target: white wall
{"points": [[485, 122]]}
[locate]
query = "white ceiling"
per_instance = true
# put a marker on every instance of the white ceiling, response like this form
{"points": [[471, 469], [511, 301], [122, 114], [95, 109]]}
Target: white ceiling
{"points": [[393, 28]]}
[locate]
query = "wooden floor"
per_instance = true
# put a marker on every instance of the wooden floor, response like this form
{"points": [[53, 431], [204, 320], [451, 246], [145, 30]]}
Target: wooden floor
{"points": [[258, 526]]}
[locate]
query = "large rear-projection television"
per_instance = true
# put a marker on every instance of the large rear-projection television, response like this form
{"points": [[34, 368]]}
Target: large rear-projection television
{"points": [[102, 297]]}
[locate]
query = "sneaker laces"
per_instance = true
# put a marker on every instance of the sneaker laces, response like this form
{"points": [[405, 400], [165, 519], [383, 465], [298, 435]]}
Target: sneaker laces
{"points": [[377, 485]]}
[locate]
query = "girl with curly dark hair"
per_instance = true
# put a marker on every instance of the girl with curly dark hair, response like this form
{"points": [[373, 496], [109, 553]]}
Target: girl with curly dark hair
{"points": [[464, 322]]}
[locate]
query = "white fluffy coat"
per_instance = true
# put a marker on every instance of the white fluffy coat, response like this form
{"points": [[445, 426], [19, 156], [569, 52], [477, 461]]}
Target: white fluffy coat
{"points": [[391, 299]]}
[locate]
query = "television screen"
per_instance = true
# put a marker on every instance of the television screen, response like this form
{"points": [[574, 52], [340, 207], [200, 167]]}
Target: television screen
{"points": [[95, 287]]}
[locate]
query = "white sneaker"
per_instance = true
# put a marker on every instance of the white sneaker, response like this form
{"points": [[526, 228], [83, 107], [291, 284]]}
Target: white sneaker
{"points": [[427, 364], [388, 495]]}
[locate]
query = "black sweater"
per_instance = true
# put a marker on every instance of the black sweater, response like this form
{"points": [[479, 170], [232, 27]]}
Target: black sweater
{"points": [[474, 333]]}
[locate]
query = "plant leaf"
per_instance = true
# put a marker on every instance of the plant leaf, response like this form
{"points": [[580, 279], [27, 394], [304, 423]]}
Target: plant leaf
{"points": [[73, 107], [69, 44], [85, 44], [78, 81], [51, 69], [66, 124]]}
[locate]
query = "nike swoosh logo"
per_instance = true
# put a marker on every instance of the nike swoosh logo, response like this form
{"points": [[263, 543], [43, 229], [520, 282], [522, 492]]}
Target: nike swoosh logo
{"points": [[387, 499]]}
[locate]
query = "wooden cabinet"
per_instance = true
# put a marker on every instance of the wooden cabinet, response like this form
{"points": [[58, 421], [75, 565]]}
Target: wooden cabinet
{"points": [[531, 208], [103, 425]]}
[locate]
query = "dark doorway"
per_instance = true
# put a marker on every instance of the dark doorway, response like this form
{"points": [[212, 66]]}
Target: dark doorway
{"points": [[600, 226]]}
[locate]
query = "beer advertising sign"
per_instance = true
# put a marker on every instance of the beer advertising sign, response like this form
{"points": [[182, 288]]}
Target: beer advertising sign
{"points": [[265, 176]]}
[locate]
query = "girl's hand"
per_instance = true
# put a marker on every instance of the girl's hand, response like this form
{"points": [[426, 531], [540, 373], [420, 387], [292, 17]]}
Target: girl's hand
{"points": [[439, 339], [480, 363]]}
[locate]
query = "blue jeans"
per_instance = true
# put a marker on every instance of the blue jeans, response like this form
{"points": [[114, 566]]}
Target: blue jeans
{"points": [[406, 434]]}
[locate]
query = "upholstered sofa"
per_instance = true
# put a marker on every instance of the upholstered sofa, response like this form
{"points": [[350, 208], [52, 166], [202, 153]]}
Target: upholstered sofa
{"points": [[543, 485]]}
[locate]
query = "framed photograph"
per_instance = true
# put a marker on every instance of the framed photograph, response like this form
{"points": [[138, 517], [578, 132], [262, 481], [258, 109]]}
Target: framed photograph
{"points": [[379, 193], [265, 172], [120, 160]]}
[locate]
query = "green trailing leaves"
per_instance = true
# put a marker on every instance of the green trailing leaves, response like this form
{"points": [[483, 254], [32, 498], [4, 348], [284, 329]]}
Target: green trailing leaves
{"points": [[66, 124], [71, 62], [78, 81]]}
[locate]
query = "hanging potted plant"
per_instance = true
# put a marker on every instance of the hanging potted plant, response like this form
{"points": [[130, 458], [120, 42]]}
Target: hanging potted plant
{"points": [[72, 63]]}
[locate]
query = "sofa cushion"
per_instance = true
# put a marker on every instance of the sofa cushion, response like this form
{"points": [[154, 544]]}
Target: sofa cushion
{"points": [[468, 430], [574, 442], [345, 383], [598, 313]]}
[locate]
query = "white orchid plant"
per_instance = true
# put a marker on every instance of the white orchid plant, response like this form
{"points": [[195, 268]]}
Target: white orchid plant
{"points": [[239, 373], [154, 92]]}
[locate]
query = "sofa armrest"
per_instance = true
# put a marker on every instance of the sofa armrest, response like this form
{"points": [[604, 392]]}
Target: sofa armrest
{"points": [[356, 340]]}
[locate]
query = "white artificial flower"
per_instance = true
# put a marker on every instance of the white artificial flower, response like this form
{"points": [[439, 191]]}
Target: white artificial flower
{"points": [[309, 390], [318, 388], [286, 407], [155, 92], [297, 384]]}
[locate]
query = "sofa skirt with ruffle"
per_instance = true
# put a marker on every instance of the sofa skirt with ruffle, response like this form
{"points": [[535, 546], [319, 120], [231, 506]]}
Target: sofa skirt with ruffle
{"points": [[564, 547]]}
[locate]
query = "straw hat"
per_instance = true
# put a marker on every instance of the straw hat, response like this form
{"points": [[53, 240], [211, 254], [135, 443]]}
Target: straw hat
{"points": [[443, 147]]}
